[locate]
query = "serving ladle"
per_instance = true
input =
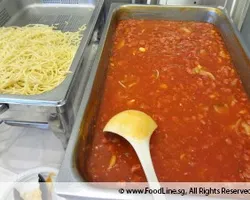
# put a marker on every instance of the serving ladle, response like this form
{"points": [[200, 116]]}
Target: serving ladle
{"points": [[137, 127]]}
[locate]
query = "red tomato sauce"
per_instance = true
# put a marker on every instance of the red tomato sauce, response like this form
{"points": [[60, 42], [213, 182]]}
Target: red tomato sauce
{"points": [[181, 74]]}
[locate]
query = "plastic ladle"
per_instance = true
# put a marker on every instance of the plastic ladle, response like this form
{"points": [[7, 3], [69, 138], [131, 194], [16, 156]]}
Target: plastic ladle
{"points": [[137, 127]]}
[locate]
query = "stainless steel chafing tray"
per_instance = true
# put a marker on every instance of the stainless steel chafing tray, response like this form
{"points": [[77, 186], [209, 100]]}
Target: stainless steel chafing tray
{"points": [[69, 15], [50, 107], [89, 106]]}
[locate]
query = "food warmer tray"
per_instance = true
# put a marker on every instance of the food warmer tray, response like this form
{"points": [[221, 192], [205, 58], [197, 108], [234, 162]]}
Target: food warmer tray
{"points": [[91, 99], [53, 108]]}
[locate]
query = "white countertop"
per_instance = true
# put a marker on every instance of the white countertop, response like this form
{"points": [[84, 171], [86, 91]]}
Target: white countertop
{"points": [[22, 149]]}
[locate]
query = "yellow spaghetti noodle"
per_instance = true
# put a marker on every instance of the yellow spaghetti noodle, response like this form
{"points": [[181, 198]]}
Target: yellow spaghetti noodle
{"points": [[35, 58]]}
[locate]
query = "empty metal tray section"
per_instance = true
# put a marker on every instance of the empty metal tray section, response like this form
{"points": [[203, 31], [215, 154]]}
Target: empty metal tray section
{"points": [[68, 18]]}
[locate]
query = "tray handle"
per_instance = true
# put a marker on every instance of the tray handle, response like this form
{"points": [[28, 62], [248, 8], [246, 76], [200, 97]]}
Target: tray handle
{"points": [[3, 107]]}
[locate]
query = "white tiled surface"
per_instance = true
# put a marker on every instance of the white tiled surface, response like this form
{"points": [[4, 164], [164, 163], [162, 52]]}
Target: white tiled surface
{"points": [[24, 148]]}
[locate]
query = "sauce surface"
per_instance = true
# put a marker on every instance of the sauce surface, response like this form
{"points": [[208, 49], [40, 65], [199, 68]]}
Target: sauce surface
{"points": [[181, 74]]}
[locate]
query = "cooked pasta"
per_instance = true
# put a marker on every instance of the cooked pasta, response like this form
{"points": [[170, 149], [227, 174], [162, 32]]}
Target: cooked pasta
{"points": [[35, 58]]}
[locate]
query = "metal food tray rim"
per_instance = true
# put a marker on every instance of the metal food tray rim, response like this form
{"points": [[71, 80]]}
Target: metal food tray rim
{"points": [[68, 171], [58, 95]]}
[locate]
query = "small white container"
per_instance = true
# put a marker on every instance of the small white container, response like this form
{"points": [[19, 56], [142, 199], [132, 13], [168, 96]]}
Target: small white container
{"points": [[27, 184]]}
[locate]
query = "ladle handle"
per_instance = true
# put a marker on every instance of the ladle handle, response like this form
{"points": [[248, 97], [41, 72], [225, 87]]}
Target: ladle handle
{"points": [[143, 153]]}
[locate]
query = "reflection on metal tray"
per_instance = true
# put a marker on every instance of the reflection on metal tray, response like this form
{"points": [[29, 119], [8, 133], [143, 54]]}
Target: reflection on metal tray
{"points": [[87, 113], [70, 16]]}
